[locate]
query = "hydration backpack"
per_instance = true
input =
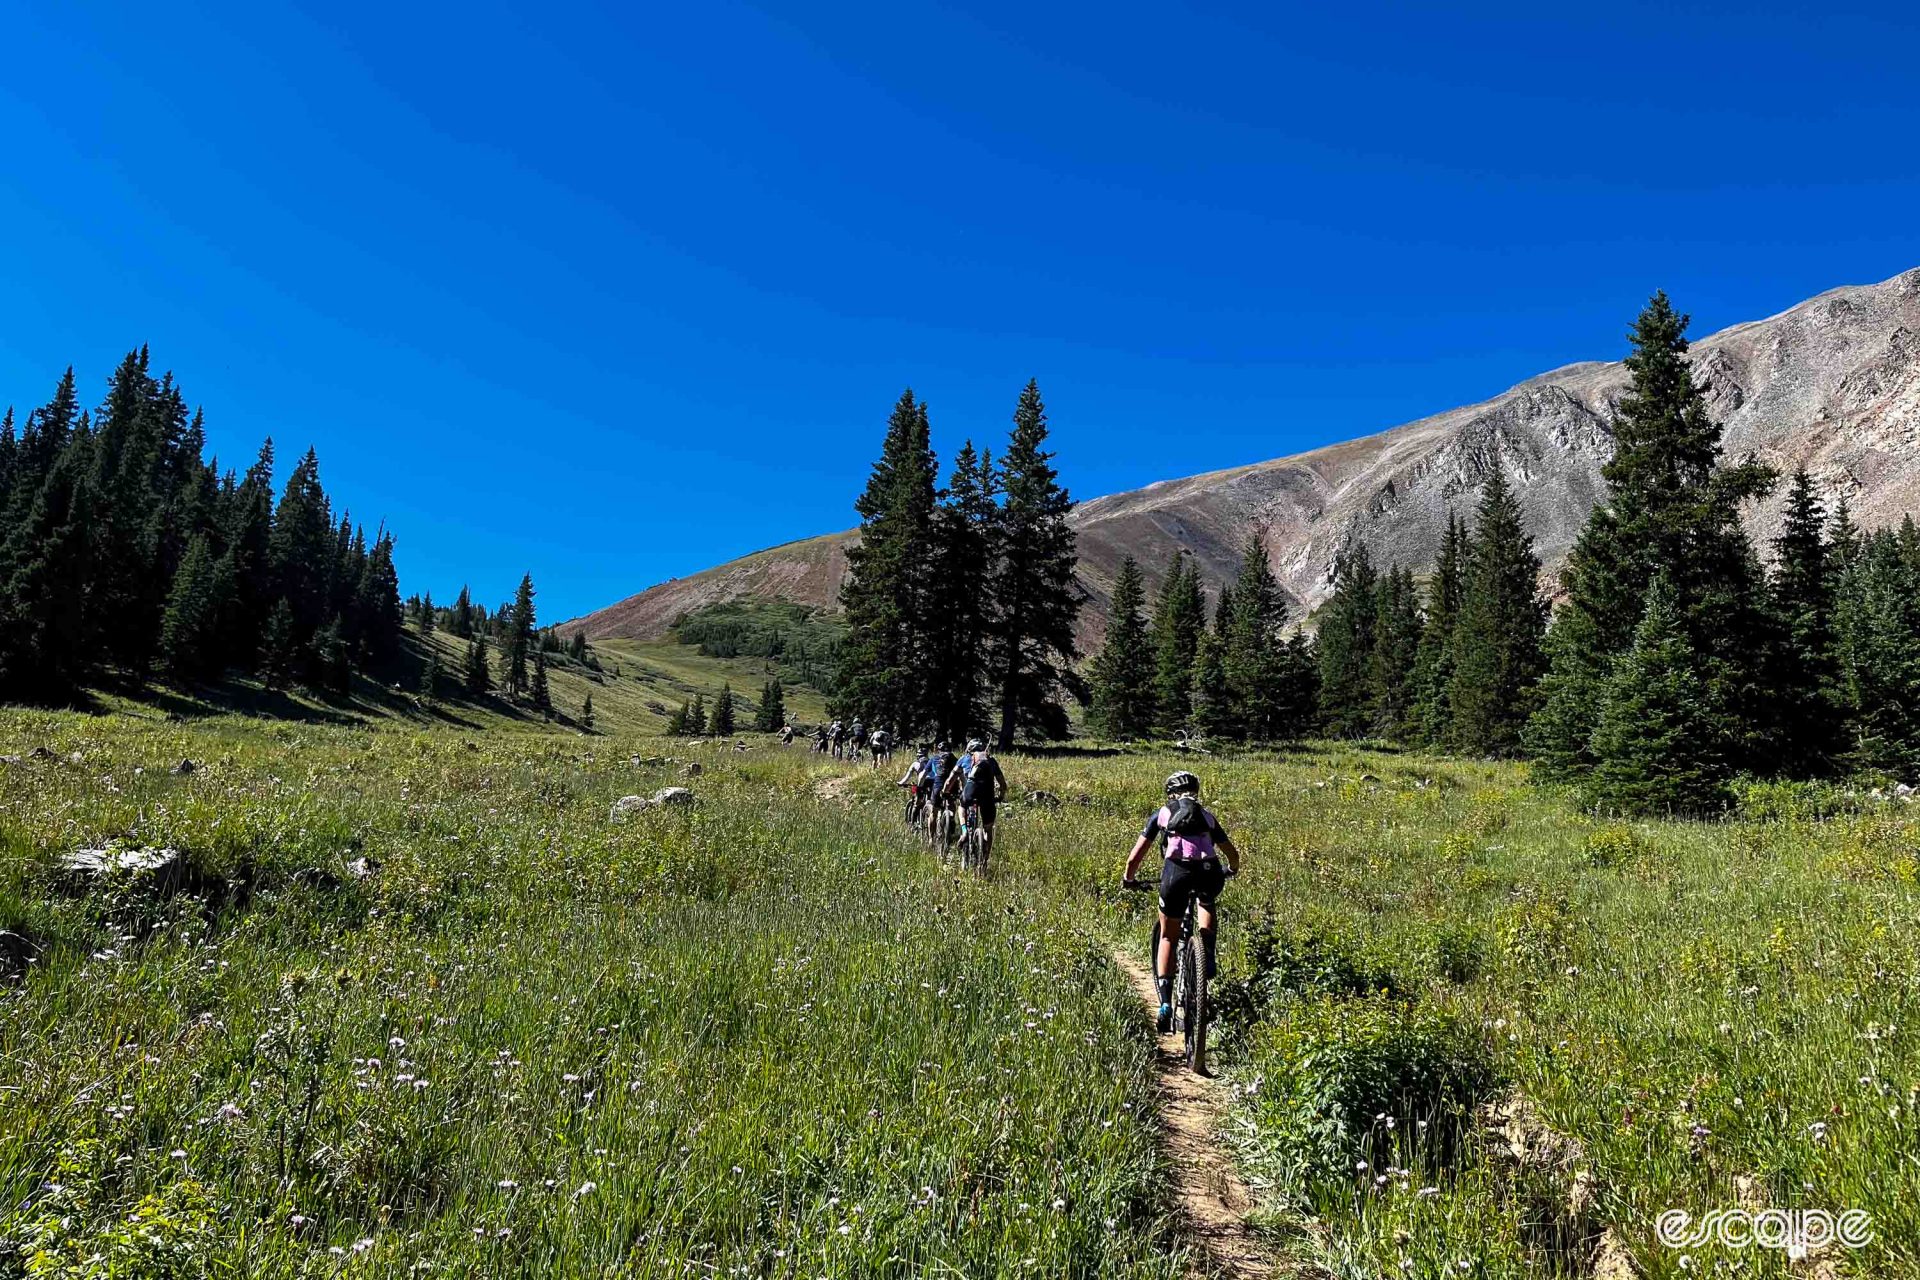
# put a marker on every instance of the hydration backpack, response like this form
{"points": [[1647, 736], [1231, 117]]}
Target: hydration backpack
{"points": [[1189, 835]]}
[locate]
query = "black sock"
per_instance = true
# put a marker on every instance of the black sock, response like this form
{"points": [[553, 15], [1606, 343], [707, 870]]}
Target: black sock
{"points": [[1165, 987]]}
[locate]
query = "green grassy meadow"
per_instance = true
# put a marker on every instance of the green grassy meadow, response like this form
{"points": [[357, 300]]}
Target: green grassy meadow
{"points": [[636, 686], [768, 1036]]}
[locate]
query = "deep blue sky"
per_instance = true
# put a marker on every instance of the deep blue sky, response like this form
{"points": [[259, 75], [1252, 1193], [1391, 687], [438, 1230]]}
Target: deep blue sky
{"points": [[614, 293]]}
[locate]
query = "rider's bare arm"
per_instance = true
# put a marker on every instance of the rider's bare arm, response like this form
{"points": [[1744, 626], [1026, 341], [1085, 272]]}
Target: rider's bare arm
{"points": [[1233, 855], [1134, 856]]}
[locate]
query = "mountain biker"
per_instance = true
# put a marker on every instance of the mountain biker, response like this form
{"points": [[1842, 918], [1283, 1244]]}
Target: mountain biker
{"points": [[856, 738], [1191, 841], [915, 779], [881, 745], [940, 765], [836, 734], [820, 739], [978, 779]]}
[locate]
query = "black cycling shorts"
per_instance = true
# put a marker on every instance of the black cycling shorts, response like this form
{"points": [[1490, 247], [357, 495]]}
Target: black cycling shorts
{"points": [[986, 808], [1183, 881]]}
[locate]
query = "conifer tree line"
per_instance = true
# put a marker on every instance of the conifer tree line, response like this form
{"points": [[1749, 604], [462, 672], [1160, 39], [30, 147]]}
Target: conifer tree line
{"points": [[126, 551], [1683, 656], [960, 601]]}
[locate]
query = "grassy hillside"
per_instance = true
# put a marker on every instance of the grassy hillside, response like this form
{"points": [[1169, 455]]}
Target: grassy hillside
{"points": [[637, 684], [1470, 1029]]}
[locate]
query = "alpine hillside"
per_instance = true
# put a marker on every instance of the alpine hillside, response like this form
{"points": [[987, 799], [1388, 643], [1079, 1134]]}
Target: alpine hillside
{"points": [[1832, 384]]}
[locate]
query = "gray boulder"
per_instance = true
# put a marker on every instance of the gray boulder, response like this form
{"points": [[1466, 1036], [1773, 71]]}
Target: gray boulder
{"points": [[159, 870], [671, 797]]}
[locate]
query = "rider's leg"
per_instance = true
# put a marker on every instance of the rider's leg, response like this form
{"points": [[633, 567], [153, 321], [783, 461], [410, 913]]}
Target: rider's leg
{"points": [[1206, 935], [1163, 962]]}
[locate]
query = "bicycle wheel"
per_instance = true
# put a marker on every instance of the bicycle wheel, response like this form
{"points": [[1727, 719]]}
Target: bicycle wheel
{"points": [[1193, 998]]}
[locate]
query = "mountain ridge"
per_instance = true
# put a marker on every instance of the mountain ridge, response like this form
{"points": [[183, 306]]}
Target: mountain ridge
{"points": [[1831, 383]]}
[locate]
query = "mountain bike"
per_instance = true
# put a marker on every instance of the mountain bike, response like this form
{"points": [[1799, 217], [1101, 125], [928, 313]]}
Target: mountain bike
{"points": [[974, 845], [916, 816], [1193, 963], [940, 828]]}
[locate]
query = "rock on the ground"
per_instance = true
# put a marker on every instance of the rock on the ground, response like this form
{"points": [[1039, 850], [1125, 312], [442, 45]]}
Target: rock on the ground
{"points": [[184, 768], [155, 866], [626, 806], [1043, 799], [41, 753], [692, 770], [11, 760]]}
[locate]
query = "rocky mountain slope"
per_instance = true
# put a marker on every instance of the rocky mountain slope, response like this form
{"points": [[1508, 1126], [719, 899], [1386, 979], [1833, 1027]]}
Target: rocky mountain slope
{"points": [[1832, 384]]}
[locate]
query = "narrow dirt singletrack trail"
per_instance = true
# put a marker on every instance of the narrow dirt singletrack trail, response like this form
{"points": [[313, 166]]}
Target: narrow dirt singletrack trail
{"points": [[1212, 1200]]}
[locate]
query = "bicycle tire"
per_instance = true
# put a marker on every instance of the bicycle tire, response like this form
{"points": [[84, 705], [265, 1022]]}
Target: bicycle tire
{"points": [[1194, 993]]}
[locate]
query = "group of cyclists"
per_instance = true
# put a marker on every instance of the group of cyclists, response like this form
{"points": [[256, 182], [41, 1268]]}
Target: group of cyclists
{"points": [[851, 741], [958, 794], [953, 795]]}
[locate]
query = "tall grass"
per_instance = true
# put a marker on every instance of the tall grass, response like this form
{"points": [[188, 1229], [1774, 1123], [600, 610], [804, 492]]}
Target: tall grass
{"points": [[754, 1038]]}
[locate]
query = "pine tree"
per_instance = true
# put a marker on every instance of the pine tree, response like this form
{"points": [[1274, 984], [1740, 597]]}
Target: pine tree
{"points": [[461, 623], [965, 541], [9, 446], [697, 716], [1212, 699], [1497, 653], [1035, 602], [1123, 670], [333, 657], [540, 694], [430, 676], [429, 618], [45, 636], [248, 524], [885, 597], [477, 672], [127, 590], [376, 602], [1806, 680], [1179, 618], [722, 723], [43, 440], [1845, 538], [1346, 646], [279, 646], [586, 713], [518, 640], [577, 646], [1255, 646], [1671, 508], [1656, 745], [1433, 664], [189, 630], [302, 550], [677, 722], [1396, 648], [1878, 625], [771, 714]]}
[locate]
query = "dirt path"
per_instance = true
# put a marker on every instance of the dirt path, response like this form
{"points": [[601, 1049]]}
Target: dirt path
{"points": [[1213, 1201]]}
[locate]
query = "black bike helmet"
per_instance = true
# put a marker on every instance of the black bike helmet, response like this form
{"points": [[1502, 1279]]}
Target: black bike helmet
{"points": [[976, 745], [1183, 782]]}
